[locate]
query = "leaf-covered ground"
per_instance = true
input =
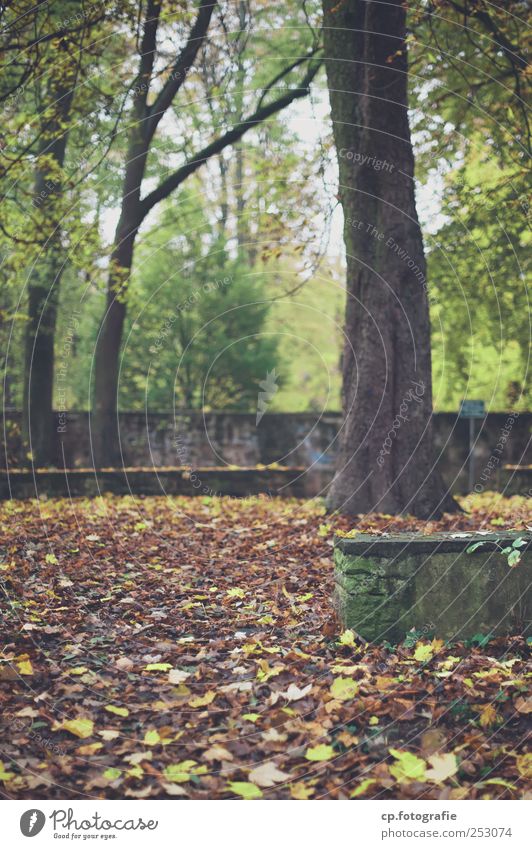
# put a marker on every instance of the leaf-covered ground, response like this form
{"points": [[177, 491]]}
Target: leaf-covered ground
{"points": [[165, 647]]}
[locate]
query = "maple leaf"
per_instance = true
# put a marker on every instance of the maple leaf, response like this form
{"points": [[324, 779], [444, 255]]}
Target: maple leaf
{"points": [[268, 775], [442, 767], [202, 701], [344, 688], [301, 791], [488, 715], [423, 652], [175, 773], [408, 767], [347, 638], [293, 693]]}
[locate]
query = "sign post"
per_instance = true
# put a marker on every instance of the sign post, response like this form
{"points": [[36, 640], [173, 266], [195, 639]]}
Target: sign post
{"points": [[472, 410]]}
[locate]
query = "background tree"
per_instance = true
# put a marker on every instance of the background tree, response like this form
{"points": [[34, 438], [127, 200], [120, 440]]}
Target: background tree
{"points": [[48, 52], [147, 109]]}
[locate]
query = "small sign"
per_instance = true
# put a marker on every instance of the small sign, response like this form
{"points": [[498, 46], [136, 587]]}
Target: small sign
{"points": [[472, 410]]}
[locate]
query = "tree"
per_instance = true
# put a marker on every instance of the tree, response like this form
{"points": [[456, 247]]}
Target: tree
{"points": [[468, 85], [46, 49], [386, 460], [148, 109]]}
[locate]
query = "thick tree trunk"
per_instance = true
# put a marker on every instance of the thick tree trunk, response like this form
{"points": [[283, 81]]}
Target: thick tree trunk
{"points": [[386, 458], [43, 291]]}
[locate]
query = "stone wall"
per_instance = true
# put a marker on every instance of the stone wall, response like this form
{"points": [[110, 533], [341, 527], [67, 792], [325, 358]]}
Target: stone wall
{"points": [[289, 439]]}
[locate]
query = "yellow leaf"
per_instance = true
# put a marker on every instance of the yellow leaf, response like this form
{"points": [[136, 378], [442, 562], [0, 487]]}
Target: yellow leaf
{"points": [[423, 652], [343, 688], [362, 787], [151, 738], [175, 773], [320, 753], [266, 672], [4, 775], [112, 773], [347, 638], [408, 767], [89, 749], [524, 765], [81, 727], [301, 791], [78, 670], [119, 711], [488, 716], [245, 789], [25, 667], [202, 701]]}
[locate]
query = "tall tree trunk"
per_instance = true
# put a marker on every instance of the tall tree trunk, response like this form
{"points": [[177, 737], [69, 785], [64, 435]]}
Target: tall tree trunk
{"points": [[43, 292], [385, 460], [105, 427]]}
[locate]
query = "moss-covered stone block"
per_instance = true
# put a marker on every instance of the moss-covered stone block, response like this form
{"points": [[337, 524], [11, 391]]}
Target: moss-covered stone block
{"points": [[387, 585]]}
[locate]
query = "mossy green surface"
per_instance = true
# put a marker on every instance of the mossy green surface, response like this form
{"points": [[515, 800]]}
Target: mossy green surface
{"points": [[452, 595]]}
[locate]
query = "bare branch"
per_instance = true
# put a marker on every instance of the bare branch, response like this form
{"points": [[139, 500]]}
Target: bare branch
{"points": [[181, 66], [231, 137]]}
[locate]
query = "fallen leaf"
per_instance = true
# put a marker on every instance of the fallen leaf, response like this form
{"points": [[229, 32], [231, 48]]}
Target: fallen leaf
{"points": [[268, 775], [408, 767], [119, 711], [320, 753], [442, 767], [344, 688], [81, 727], [245, 789]]}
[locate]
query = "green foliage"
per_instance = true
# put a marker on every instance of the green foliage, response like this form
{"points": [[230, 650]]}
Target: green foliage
{"points": [[195, 336]]}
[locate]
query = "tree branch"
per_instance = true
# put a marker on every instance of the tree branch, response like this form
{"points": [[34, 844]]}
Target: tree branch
{"points": [[181, 66], [235, 134], [147, 59]]}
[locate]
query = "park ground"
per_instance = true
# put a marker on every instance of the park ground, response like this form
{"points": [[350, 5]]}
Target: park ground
{"points": [[187, 647]]}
